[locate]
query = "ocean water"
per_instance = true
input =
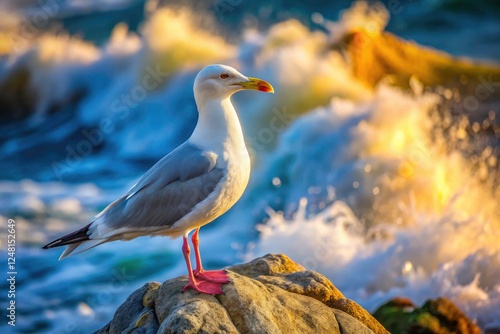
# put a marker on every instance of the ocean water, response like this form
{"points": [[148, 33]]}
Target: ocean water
{"points": [[386, 190]]}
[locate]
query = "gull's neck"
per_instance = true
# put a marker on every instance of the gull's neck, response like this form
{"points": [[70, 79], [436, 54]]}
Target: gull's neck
{"points": [[218, 127]]}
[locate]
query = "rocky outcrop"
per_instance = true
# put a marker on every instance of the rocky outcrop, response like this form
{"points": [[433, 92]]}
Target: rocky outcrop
{"points": [[271, 294], [375, 56], [436, 316]]}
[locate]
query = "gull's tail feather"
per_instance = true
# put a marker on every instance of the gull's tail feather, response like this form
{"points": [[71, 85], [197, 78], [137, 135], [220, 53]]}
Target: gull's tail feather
{"points": [[77, 236], [77, 242], [80, 247]]}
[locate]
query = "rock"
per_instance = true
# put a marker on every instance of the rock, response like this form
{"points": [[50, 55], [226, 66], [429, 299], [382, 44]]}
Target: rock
{"points": [[374, 57], [132, 308], [439, 315], [355, 310], [17, 99], [20, 99], [271, 294]]}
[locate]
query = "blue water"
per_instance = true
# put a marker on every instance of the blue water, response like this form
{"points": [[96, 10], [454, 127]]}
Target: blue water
{"points": [[84, 128]]}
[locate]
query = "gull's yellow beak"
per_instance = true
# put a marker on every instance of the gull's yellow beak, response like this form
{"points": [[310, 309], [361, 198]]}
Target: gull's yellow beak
{"points": [[257, 84]]}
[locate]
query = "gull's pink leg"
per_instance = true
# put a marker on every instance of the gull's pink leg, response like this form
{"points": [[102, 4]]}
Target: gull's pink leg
{"points": [[217, 276], [195, 239], [199, 285]]}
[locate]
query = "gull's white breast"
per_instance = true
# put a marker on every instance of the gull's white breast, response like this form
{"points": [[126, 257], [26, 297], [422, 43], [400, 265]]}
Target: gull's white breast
{"points": [[235, 164]]}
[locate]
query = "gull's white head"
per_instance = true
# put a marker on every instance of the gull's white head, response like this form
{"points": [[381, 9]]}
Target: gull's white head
{"points": [[221, 81]]}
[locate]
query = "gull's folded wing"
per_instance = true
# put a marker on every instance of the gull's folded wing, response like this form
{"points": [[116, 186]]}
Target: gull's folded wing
{"points": [[165, 194]]}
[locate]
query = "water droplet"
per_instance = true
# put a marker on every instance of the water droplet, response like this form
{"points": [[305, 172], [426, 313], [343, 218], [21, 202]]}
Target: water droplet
{"points": [[276, 182], [476, 127], [407, 267], [85, 309], [317, 18], [491, 115]]}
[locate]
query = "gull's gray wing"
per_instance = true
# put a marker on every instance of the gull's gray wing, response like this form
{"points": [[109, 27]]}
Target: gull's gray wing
{"points": [[167, 192]]}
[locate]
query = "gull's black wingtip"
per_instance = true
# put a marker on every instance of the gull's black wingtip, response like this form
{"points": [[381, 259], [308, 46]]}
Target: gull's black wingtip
{"points": [[51, 244]]}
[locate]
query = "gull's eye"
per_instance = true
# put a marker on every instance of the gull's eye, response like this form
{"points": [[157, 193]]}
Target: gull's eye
{"points": [[224, 76]]}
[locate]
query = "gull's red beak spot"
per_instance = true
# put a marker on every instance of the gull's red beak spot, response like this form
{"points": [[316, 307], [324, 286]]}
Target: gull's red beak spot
{"points": [[257, 84]]}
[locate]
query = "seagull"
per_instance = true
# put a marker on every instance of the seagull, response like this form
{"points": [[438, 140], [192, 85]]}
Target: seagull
{"points": [[189, 187]]}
